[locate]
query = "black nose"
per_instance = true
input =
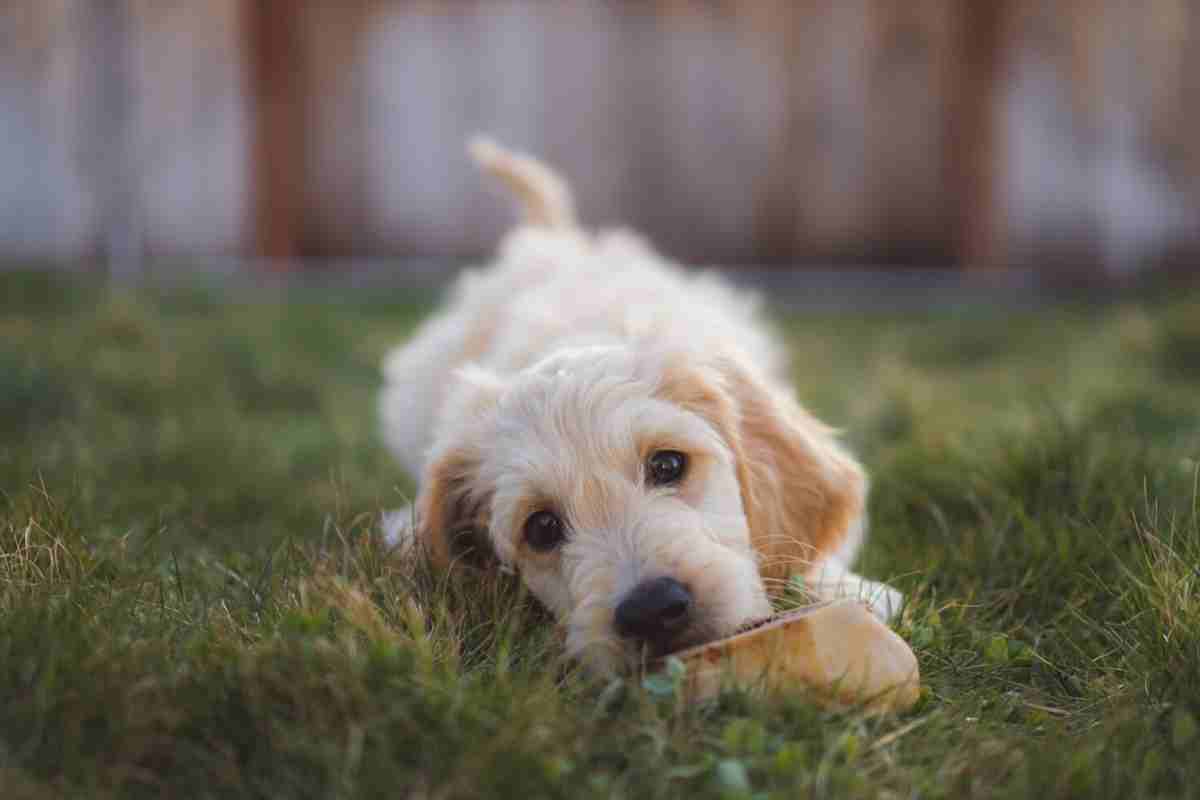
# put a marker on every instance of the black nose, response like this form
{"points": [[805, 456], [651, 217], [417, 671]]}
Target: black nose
{"points": [[655, 611]]}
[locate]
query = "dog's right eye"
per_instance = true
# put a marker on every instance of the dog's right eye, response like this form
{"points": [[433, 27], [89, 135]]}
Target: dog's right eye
{"points": [[666, 467], [544, 531]]}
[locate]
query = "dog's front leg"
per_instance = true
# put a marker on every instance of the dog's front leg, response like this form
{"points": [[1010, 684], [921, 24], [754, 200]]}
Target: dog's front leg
{"points": [[832, 580]]}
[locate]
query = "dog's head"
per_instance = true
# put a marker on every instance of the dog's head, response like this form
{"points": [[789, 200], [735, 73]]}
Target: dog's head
{"points": [[650, 497]]}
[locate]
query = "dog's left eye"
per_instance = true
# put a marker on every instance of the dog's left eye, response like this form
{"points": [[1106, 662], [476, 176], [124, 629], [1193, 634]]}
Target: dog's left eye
{"points": [[544, 531], [666, 467]]}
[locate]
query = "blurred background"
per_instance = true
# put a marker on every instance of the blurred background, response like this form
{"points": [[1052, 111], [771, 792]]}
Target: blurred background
{"points": [[1057, 140]]}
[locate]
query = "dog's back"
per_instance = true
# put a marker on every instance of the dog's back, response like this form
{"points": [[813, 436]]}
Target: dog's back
{"points": [[556, 285]]}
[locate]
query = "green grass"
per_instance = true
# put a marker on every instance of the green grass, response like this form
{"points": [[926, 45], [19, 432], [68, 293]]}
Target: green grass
{"points": [[192, 603]]}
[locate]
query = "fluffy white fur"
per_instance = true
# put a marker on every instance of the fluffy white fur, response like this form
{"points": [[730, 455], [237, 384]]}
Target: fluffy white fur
{"points": [[548, 381]]}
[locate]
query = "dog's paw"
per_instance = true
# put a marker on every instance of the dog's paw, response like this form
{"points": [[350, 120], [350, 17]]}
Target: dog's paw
{"points": [[832, 581], [885, 602], [398, 527]]}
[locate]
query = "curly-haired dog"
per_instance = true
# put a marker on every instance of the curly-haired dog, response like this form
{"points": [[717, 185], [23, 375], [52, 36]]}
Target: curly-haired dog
{"points": [[619, 433]]}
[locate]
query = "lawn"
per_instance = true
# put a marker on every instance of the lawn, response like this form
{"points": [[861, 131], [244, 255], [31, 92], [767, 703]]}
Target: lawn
{"points": [[193, 603]]}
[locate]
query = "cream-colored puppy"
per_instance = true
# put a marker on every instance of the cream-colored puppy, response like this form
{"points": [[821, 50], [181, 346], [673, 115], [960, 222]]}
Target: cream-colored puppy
{"points": [[619, 433]]}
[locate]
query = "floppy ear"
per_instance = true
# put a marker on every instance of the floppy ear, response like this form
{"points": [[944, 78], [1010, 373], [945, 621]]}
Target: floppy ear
{"points": [[452, 507], [803, 494], [452, 511]]}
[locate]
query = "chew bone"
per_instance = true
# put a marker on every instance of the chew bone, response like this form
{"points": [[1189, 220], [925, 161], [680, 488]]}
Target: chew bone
{"points": [[838, 652]]}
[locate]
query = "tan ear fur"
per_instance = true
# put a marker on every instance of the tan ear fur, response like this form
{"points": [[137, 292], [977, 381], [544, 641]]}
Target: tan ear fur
{"points": [[451, 512], [452, 508], [803, 494]]}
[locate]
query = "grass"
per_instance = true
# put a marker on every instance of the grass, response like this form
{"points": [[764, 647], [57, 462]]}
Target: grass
{"points": [[192, 603]]}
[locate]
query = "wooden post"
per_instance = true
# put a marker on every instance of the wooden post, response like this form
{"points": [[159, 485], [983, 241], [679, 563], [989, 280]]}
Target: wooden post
{"points": [[276, 98], [975, 146]]}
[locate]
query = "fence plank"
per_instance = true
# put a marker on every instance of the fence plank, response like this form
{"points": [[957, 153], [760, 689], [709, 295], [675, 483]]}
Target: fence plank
{"points": [[1061, 134], [278, 101]]}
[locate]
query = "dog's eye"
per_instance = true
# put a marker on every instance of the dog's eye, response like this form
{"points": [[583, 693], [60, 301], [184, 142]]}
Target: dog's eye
{"points": [[544, 531], [666, 467]]}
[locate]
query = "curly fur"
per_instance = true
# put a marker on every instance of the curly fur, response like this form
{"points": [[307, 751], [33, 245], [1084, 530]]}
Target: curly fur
{"points": [[547, 382]]}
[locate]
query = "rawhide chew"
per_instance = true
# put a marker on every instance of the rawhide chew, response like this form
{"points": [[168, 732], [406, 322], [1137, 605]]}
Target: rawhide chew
{"points": [[838, 652]]}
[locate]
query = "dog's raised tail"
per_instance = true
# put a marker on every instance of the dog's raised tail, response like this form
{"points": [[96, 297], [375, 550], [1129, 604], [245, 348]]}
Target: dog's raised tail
{"points": [[544, 196]]}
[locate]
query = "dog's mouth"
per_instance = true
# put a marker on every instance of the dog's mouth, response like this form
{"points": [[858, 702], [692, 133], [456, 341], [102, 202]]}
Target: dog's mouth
{"points": [[753, 624], [648, 656], [685, 650], [648, 653], [746, 630], [701, 639]]}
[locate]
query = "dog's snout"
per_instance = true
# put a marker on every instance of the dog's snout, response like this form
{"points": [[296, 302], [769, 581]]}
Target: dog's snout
{"points": [[654, 611]]}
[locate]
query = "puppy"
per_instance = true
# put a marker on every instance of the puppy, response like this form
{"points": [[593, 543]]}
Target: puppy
{"points": [[621, 434]]}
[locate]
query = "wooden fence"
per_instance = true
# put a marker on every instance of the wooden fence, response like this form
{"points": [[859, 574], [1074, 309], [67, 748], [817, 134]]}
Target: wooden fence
{"points": [[1058, 134]]}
